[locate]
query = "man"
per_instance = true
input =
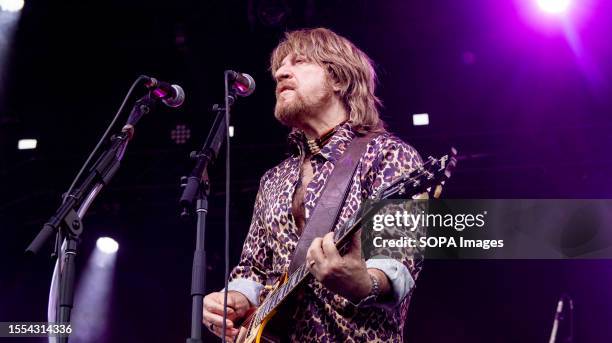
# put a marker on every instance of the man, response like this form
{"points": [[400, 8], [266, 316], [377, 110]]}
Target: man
{"points": [[325, 94]]}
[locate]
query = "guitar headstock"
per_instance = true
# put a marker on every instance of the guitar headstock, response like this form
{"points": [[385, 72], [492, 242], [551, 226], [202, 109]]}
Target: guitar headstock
{"points": [[427, 178]]}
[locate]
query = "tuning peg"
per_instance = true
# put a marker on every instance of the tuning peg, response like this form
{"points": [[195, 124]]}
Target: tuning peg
{"points": [[402, 190], [183, 181]]}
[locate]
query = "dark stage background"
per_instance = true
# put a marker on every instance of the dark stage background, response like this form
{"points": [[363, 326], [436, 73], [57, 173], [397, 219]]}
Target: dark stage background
{"points": [[528, 108]]}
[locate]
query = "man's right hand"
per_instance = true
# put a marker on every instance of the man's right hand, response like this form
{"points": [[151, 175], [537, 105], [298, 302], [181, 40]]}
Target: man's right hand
{"points": [[237, 307]]}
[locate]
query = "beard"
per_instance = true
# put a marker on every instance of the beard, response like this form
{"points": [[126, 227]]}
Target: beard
{"points": [[296, 110], [291, 112]]}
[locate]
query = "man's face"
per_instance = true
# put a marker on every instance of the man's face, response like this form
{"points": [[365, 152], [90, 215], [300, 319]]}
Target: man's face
{"points": [[303, 89]]}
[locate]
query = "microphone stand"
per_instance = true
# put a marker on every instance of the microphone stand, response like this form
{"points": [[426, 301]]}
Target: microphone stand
{"points": [[559, 317], [67, 224], [196, 189]]}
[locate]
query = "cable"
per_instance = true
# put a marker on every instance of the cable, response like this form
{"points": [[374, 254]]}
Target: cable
{"points": [[104, 136]]}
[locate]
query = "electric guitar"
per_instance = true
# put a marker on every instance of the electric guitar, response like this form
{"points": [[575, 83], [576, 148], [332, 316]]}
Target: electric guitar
{"points": [[428, 178]]}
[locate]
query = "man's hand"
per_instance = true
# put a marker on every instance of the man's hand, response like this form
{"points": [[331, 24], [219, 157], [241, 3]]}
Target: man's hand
{"points": [[345, 275], [237, 307]]}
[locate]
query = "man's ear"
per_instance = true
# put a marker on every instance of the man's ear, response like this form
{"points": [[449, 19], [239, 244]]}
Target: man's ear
{"points": [[336, 87], [331, 76]]}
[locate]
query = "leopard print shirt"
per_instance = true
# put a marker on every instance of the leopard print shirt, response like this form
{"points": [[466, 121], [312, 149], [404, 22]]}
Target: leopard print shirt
{"points": [[321, 315]]}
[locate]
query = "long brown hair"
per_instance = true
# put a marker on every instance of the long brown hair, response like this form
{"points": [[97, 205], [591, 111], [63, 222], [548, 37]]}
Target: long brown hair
{"points": [[347, 66]]}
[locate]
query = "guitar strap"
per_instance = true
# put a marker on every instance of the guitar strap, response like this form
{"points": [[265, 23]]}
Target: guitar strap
{"points": [[335, 192]]}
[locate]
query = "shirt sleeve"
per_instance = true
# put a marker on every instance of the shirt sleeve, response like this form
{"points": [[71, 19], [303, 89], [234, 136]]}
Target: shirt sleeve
{"points": [[250, 289], [395, 159], [249, 275], [400, 279]]}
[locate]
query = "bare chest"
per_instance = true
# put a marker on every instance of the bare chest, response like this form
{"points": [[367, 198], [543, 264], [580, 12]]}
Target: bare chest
{"points": [[297, 208]]}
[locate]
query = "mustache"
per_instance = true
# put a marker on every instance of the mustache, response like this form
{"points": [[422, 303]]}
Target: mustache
{"points": [[284, 86]]}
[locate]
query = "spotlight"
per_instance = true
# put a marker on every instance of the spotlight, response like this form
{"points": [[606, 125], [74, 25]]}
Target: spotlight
{"points": [[26, 144], [231, 131], [420, 119], [11, 5], [107, 245], [554, 6]]}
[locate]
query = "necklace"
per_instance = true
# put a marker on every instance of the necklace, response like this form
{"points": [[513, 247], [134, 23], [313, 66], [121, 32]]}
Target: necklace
{"points": [[315, 145]]}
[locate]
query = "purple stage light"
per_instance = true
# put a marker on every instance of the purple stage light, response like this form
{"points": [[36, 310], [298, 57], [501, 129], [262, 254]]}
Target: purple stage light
{"points": [[554, 17], [554, 6]]}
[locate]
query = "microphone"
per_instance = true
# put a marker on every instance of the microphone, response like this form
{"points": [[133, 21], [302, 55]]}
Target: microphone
{"points": [[242, 84], [170, 95]]}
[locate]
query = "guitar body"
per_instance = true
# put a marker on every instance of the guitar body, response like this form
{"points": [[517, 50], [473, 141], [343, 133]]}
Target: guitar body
{"points": [[269, 329], [257, 334]]}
